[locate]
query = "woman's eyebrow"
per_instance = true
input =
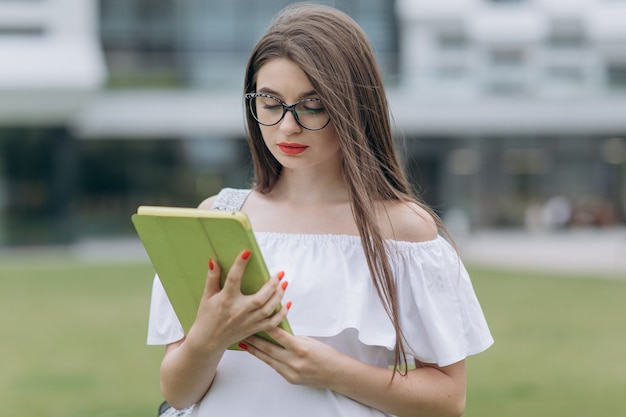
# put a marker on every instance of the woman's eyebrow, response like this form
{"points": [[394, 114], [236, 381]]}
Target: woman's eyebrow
{"points": [[270, 91], [267, 90]]}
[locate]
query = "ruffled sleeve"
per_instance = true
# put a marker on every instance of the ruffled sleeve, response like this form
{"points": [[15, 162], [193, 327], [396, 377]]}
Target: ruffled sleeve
{"points": [[440, 315], [333, 294]]}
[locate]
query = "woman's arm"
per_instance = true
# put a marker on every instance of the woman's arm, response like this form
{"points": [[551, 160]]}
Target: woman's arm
{"points": [[425, 391], [187, 374], [224, 317]]}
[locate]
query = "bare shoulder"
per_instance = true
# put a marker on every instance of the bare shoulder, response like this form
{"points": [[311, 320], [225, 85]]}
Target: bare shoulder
{"points": [[207, 203], [410, 222]]}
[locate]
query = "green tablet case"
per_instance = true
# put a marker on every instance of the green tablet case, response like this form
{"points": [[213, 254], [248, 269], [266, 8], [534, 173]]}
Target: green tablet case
{"points": [[179, 243]]}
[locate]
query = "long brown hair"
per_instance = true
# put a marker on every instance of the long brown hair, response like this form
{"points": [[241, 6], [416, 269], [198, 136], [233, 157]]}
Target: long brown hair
{"points": [[337, 57]]}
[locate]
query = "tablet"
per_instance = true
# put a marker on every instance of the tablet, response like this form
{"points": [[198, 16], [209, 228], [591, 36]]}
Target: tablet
{"points": [[179, 243]]}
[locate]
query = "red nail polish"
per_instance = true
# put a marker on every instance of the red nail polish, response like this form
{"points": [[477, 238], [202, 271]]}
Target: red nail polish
{"points": [[280, 275], [211, 265], [288, 305], [243, 346], [284, 285], [245, 255]]}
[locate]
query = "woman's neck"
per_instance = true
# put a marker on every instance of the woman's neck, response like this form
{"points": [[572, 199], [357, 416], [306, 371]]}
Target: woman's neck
{"points": [[310, 187]]}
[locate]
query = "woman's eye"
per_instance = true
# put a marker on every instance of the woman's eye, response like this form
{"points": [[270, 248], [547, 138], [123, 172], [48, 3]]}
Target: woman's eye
{"points": [[271, 105], [313, 107]]}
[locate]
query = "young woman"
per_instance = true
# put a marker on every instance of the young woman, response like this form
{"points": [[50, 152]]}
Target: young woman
{"points": [[382, 309]]}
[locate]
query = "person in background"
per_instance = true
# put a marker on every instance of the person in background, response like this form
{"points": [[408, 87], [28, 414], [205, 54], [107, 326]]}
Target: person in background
{"points": [[382, 309]]}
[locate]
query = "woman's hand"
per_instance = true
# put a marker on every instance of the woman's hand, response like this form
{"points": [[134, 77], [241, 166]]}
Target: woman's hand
{"points": [[301, 361], [428, 390], [226, 316]]}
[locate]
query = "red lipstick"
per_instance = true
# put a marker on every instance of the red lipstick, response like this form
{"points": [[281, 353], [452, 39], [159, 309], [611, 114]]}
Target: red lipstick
{"points": [[291, 148]]}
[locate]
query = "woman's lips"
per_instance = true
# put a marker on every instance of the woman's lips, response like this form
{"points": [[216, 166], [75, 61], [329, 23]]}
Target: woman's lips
{"points": [[292, 148]]}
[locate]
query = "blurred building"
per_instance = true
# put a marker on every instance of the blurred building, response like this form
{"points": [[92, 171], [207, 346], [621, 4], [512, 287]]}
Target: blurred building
{"points": [[523, 101], [504, 109], [51, 65]]}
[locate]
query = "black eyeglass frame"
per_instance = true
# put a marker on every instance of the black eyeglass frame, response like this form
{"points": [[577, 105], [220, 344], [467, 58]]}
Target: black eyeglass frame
{"points": [[286, 108]]}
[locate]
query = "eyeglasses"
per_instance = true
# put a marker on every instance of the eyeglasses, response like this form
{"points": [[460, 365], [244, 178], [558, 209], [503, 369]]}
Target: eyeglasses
{"points": [[269, 111]]}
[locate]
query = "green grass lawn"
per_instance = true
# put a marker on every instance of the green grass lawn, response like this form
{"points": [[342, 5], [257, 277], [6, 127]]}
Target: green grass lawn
{"points": [[560, 347], [73, 343]]}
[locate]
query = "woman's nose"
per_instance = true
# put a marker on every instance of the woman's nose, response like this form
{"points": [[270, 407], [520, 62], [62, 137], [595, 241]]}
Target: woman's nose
{"points": [[289, 124]]}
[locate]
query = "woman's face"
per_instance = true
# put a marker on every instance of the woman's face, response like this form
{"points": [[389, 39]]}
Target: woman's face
{"points": [[292, 145]]}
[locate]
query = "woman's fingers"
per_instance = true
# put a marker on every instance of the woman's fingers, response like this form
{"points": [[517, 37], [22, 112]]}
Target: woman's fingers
{"points": [[270, 293], [260, 310], [278, 317], [283, 338], [233, 279], [212, 284], [267, 301]]}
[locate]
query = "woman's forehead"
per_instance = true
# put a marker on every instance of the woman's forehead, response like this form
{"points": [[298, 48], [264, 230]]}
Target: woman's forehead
{"points": [[283, 77]]}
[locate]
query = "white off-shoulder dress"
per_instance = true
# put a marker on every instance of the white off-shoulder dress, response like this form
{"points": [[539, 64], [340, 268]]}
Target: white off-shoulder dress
{"points": [[334, 301]]}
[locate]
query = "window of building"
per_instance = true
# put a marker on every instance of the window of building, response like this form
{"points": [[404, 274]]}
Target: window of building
{"points": [[566, 34], [505, 87], [205, 44], [565, 74], [532, 161], [506, 70], [616, 75], [21, 31], [506, 57], [451, 35], [139, 42]]}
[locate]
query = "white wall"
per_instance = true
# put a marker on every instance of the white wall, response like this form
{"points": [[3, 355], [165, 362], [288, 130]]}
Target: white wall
{"points": [[51, 60], [523, 26]]}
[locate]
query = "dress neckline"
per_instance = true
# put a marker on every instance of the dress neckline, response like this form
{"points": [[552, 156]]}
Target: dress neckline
{"points": [[334, 237]]}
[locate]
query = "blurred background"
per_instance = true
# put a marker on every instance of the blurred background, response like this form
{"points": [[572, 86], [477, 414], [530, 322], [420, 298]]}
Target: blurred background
{"points": [[511, 113]]}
